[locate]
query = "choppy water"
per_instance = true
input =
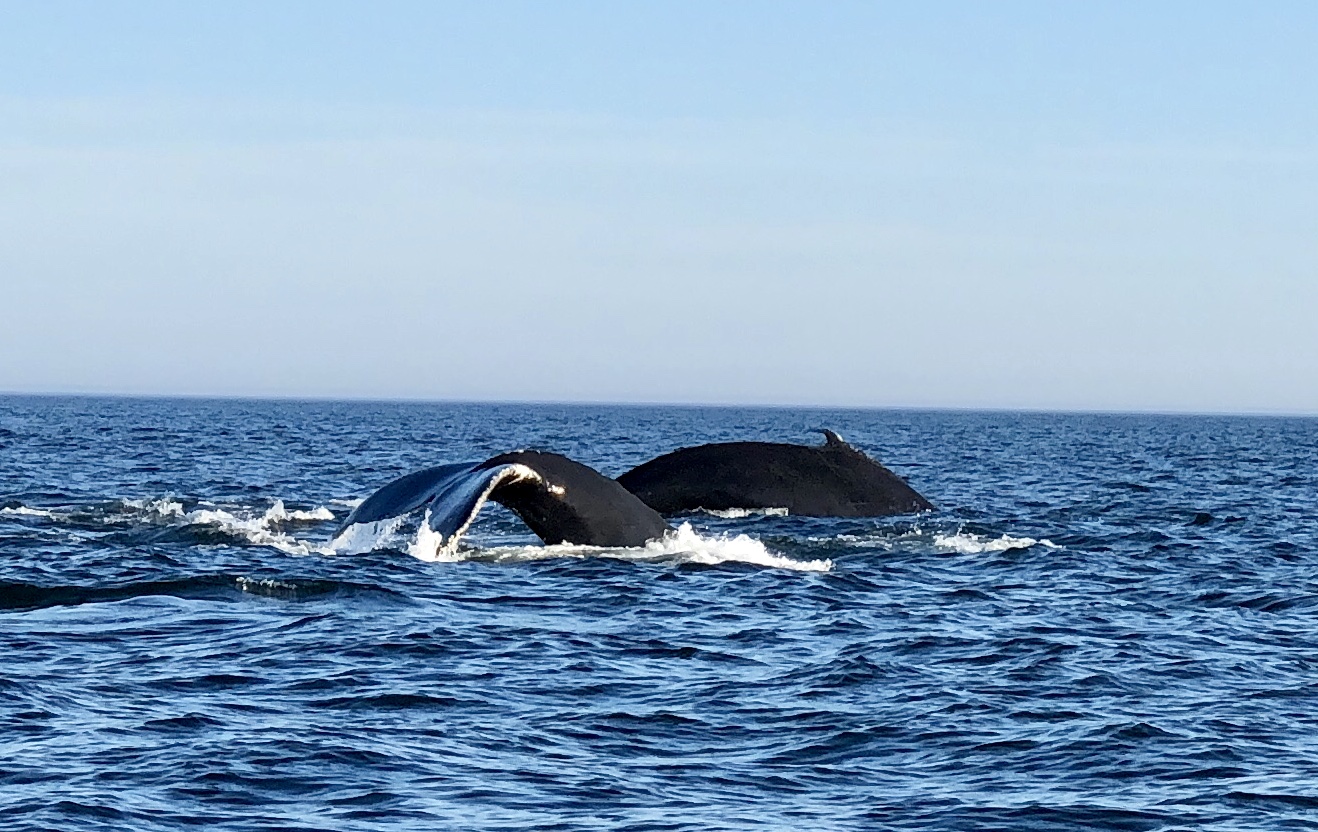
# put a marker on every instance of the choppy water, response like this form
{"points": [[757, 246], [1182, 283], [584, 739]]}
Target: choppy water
{"points": [[1110, 623]]}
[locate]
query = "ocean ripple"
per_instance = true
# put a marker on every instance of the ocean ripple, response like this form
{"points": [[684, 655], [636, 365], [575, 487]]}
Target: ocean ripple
{"points": [[1109, 624]]}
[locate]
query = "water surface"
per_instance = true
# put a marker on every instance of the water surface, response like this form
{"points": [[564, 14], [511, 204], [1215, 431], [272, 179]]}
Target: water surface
{"points": [[1111, 622]]}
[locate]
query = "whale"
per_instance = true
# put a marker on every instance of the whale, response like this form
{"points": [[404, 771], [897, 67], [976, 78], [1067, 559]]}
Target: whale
{"points": [[559, 499], [829, 480], [563, 501]]}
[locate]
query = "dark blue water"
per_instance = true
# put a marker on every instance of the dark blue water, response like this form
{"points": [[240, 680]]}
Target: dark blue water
{"points": [[1110, 623]]}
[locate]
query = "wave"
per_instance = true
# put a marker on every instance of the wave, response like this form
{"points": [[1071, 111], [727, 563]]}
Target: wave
{"points": [[273, 525], [681, 545], [16, 595], [160, 508], [739, 513], [685, 545], [266, 525], [960, 541], [260, 531], [25, 511], [964, 543], [240, 524], [276, 513]]}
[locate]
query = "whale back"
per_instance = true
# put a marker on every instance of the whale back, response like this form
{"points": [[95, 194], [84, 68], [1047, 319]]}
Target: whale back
{"points": [[832, 480]]}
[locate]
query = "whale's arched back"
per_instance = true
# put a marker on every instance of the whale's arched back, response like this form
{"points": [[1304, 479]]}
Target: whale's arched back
{"points": [[830, 480]]}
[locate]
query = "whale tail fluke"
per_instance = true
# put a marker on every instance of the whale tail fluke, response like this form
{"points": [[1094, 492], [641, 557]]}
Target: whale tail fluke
{"points": [[562, 501]]}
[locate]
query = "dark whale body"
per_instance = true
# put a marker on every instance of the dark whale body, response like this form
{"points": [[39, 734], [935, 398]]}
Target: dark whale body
{"points": [[832, 480], [590, 509], [561, 500]]}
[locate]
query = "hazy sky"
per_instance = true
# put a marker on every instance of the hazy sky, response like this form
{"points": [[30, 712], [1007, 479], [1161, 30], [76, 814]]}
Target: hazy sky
{"points": [[1095, 205]]}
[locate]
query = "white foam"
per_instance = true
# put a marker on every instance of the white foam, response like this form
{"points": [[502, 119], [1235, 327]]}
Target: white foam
{"points": [[24, 511], [239, 522], [246, 584], [958, 542], [684, 544], [681, 545], [738, 513], [255, 530], [973, 544], [278, 513], [429, 545], [365, 537], [160, 508], [165, 508]]}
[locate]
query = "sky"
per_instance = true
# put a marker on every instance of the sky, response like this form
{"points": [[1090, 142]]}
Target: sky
{"points": [[1041, 205]]}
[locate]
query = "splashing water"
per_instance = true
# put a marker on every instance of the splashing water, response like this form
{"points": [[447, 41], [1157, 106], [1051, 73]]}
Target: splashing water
{"points": [[681, 545], [972, 544], [739, 513]]}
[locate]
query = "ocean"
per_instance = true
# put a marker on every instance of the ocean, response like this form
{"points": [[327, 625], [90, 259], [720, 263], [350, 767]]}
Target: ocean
{"points": [[1109, 622]]}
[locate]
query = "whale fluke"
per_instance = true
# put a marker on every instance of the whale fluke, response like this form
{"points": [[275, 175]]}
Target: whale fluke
{"points": [[829, 480], [562, 501]]}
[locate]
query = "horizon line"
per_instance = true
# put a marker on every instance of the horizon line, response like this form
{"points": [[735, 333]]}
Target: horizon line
{"points": [[688, 405]]}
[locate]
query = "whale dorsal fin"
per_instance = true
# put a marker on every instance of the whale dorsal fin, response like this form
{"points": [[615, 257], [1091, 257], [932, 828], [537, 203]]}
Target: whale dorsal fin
{"points": [[831, 439]]}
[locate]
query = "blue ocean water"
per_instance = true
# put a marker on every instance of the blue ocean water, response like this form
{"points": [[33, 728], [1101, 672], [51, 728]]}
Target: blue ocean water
{"points": [[1111, 622]]}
